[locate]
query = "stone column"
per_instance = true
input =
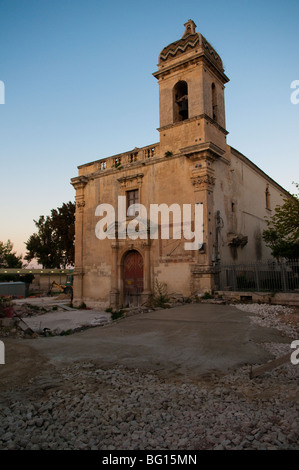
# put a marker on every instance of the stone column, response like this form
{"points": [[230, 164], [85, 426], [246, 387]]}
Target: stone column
{"points": [[79, 184], [146, 272], [114, 293]]}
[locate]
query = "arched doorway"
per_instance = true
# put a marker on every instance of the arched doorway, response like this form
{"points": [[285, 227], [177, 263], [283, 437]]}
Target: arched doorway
{"points": [[133, 277]]}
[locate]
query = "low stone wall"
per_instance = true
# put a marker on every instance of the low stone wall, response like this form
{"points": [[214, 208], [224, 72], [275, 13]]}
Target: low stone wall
{"points": [[279, 298]]}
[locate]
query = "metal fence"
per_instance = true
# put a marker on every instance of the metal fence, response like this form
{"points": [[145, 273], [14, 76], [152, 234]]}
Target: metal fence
{"points": [[269, 276]]}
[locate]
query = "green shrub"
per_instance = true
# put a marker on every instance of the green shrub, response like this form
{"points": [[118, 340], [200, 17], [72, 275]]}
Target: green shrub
{"points": [[207, 295], [65, 333], [160, 296], [116, 315]]}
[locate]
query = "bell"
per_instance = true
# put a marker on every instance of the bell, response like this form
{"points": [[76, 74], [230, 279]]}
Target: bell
{"points": [[184, 109]]}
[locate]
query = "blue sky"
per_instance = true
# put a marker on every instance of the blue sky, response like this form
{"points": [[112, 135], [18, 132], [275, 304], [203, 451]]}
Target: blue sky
{"points": [[79, 87]]}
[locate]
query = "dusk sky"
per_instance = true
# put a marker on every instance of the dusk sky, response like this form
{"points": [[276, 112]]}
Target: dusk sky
{"points": [[79, 87]]}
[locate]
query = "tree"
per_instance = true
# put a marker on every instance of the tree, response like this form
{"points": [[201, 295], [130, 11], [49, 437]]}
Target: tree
{"points": [[63, 221], [53, 244], [9, 258], [282, 235]]}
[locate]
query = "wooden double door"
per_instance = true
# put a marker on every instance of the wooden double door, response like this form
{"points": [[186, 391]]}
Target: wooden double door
{"points": [[133, 278]]}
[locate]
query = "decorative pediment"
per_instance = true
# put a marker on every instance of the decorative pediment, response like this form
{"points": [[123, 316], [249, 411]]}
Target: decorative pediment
{"points": [[130, 180]]}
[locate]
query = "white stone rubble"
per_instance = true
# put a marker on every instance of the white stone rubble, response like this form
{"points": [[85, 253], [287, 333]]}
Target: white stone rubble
{"points": [[269, 316], [82, 406]]}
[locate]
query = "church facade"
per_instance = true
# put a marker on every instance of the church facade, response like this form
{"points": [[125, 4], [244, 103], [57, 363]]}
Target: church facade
{"points": [[191, 165]]}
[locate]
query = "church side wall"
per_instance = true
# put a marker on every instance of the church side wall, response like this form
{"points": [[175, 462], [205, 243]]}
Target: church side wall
{"points": [[240, 197]]}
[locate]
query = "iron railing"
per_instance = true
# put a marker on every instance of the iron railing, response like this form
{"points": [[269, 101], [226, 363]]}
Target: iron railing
{"points": [[271, 276]]}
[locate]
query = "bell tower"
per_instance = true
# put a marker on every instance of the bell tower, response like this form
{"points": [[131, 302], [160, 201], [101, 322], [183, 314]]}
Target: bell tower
{"points": [[191, 94], [192, 128]]}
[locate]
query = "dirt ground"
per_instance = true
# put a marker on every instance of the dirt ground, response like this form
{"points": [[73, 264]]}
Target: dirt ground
{"points": [[183, 342]]}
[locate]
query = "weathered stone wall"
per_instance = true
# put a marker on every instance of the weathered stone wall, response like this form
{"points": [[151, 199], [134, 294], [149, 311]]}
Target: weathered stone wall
{"points": [[240, 198]]}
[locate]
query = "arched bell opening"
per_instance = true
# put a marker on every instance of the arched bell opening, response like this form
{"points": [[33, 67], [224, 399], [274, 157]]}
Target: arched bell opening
{"points": [[180, 101]]}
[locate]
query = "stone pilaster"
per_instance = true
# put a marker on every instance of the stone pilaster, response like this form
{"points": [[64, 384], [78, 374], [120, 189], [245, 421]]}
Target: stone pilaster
{"points": [[147, 272], [79, 184], [114, 293], [203, 181]]}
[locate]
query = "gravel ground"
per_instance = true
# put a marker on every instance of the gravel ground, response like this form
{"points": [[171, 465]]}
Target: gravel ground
{"points": [[274, 316], [85, 407]]}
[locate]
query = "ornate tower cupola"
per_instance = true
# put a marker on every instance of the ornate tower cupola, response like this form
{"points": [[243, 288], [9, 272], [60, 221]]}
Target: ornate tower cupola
{"points": [[191, 90]]}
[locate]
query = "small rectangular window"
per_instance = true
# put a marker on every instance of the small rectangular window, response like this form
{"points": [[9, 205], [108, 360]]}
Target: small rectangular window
{"points": [[132, 198]]}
